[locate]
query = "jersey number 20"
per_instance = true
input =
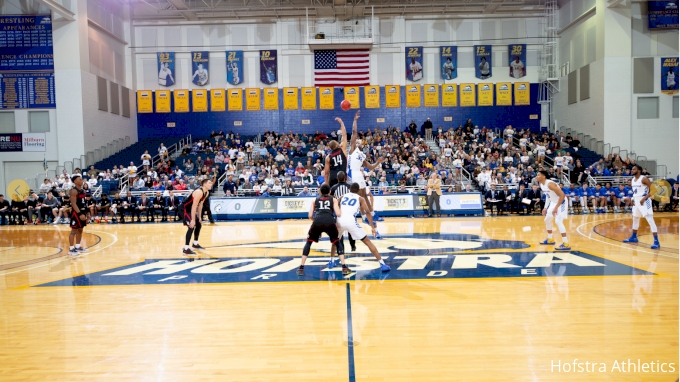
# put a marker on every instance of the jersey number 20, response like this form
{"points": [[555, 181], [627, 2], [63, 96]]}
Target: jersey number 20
{"points": [[348, 201]]}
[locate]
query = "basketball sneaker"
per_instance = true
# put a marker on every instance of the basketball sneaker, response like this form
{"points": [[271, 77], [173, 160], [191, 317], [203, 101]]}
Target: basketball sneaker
{"points": [[632, 239], [73, 252], [384, 267], [354, 248], [188, 252], [331, 263], [562, 247], [300, 271], [656, 244], [345, 270], [197, 246], [81, 250], [548, 242], [377, 235]]}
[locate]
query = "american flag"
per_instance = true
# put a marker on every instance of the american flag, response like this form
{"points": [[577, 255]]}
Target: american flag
{"points": [[342, 67]]}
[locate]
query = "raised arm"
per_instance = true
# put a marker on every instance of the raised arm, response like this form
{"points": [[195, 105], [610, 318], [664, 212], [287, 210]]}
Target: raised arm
{"points": [[355, 134], [327, 170], [374, 165], [343, 129]]}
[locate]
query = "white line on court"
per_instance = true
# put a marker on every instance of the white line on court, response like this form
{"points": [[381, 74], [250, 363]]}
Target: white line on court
{"points": [[115, 239], [636, 248]]}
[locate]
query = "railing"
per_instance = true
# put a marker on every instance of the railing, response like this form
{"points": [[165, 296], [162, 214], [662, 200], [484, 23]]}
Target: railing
{"points": [[614, 180], [591, 181], [175, 148], [97, 192]]}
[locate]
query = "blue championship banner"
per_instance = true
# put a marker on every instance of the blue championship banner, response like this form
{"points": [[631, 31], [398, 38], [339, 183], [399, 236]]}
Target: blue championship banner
{"points": [[200, 67], [669, 75], [518, 60], [26, 43], [414, 63], [268, 66], [27, 90], [483, 61], [234, 66], [662, 14], [166, 68], [449, 62]]}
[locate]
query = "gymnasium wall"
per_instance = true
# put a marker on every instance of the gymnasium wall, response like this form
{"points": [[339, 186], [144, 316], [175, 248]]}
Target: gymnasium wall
{"points": [[255, 122], [296, 66]]}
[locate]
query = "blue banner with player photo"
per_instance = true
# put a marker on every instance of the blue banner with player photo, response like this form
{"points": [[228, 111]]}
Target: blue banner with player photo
{"points": [[518, 60], [166, 68], [669, 75], [234, 66], [662, 14], [268, 66], [200, 68], [483, 61], [449, 62], [414, 63]]}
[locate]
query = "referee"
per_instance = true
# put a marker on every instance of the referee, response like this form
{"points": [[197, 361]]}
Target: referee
{"points": [[338, 191]]}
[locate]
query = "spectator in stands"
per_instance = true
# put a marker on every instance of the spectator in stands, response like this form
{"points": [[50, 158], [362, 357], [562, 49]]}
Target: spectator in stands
{"points": [[33, 205], [219, 158], [469, 125], [494, 198], [535, 196], [5, 210], [19, 211], [49, 207], [163, 151], [675, 194], [129, 205], [287, 189], [67, 185], [146, 160], [305, 192], [180, 186], [265, 192], [132, 170], [427, 129], [188, 165], [403, 190], [229, 185], [173, 204], [138, 183], [92, 172], [45, 187]]}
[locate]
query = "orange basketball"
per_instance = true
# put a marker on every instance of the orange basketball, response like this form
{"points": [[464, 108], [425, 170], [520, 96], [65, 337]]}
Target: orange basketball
{"points": [[345, 105]]}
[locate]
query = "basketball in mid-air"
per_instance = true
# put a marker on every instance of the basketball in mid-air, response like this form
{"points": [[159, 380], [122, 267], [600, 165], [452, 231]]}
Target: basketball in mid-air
{"points": [[345, 105]]}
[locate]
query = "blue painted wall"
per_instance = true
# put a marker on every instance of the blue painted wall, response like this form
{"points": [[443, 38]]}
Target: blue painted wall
{"points": [[254, 122]]}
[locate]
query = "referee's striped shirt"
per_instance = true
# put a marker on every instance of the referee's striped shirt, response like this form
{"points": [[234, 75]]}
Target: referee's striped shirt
{"points": [[339, 190]]}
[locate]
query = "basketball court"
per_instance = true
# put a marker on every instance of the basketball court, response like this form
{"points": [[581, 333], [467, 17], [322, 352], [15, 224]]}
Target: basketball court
{"points": [[465, 297]]}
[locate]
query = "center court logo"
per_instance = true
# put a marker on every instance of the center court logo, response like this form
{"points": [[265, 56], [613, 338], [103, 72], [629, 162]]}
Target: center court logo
{"points": [[411, 257]]}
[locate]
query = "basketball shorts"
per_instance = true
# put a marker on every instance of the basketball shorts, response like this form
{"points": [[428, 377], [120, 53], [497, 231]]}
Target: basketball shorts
{"points": [[317, 229], [562, 212], [358, 177], [186, 220], [352, 227], [640, 211], [75, 222]]}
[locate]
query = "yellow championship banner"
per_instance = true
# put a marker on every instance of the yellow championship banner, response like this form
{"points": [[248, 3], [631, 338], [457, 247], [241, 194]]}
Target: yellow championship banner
{"points": [[522, 94], [503, 94], [252, 99], [199, 100], [144, 101], [467, 95], [372, 97], [352, 95], [485, 97], [235, 99], [326, 98], [413, 96], [449, 95], [393, 96], [308, 98], [181, 101], [431, 95], [163, 101], [290, 98], [271, 99], [217, 100]]}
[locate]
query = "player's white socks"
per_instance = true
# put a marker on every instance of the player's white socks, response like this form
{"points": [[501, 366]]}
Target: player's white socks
{"points": [[381, 261], [77, 245], [195, 242], [550, 235], [186, 247]]}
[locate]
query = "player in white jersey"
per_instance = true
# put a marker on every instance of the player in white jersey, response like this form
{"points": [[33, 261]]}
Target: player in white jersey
{"points": [[555, 208], [642, 205], [517, 68], [357, 160], [202, 75], [448, 69], [352, 204], [670, 79], [234, 73], [416, 69], [559, 164]]}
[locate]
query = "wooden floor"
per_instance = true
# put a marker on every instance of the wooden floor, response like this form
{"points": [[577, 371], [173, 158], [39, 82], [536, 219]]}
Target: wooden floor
{"points": [[459, 316]]}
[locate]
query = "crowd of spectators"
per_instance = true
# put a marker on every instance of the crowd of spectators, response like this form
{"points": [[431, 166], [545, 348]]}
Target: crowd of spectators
{"points": [[287, 164]]}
